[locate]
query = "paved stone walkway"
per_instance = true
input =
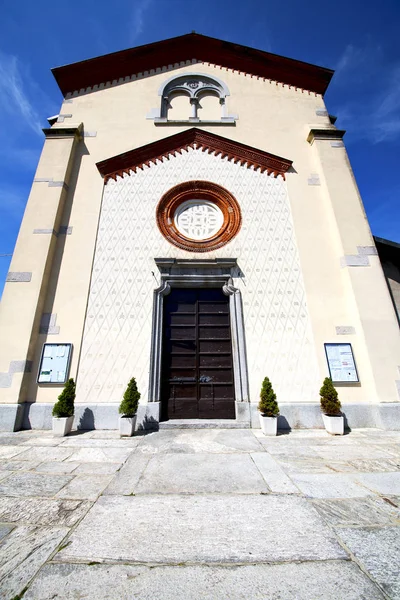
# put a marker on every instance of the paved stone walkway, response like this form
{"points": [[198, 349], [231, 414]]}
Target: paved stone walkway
{"points": [[200, 514]]}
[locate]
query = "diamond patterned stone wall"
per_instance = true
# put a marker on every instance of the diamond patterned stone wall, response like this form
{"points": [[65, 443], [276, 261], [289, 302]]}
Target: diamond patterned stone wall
{"points": [[117, 333]]}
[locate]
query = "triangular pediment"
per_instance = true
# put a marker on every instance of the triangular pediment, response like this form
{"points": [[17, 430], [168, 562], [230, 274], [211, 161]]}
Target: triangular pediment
{"points": [[193, 138], [193, 47]]}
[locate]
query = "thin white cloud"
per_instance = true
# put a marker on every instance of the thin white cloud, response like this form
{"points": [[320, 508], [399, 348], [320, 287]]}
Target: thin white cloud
{"points": [[137, 21], [12, 203], [13, 97], [376, 117]]}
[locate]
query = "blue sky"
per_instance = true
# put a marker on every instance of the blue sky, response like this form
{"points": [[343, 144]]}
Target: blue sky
{"points": [[357, 38]]}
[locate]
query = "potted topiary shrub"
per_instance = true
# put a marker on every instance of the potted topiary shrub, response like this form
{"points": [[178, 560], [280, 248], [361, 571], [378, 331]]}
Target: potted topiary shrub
{"points": [[63, 410], [128, 409], [330, 407], [268, 408]]}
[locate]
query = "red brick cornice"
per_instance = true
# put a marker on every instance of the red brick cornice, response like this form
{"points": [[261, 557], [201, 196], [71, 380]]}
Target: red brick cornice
{"points": [[193, 138], [147, 58]]}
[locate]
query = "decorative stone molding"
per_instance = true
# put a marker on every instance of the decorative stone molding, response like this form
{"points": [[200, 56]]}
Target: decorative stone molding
{"points": [[314, 179], [19, 276], [45, 232], [199, 123], [354, 260], [326, 133], [16, 366], [63, 132], [360, 259], [193, 138], [64, 230], [50, 182], [48, 324], [367, 250], [218, 199], [61, 118], [345, 330], [199, 273]]}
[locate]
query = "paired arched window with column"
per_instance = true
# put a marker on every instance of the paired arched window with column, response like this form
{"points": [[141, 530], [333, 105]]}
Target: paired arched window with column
{"points": [[193, 97]]}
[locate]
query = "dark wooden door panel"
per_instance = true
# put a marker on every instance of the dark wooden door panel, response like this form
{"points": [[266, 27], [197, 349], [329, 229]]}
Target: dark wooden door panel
{"points": [[197, 374]]}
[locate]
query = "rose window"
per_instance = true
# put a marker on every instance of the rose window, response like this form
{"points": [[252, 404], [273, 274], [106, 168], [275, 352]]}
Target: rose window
{"points": [[198, 220], [198, 216]]}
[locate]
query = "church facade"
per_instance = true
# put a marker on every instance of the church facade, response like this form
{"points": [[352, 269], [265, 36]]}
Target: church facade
{"points": [[194, 223]]}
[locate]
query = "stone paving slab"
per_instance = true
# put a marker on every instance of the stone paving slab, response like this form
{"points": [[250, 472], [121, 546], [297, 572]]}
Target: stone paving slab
{"points": [[45, 454], [18, 465], [42, 511], [96, 468], [43, 441], [314, 580], [337, 485], [85, 487], [303, 465], [11, 451], [5, 530], [201, 473], [202, 529], [200, 440], [99, 454], [22, 553], [57, 467], [293, 452], [84, 442], [127, 478], [277, 481], [378, 550], [353, 512], [350, 483], [353, 452], [8, 439], [376, 466], [380, 483], [32, 484]]}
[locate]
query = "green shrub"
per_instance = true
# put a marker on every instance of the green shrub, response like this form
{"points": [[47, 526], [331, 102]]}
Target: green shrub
{"points": [[330, 403], [268, 405], [64, 407], [130, 401]]}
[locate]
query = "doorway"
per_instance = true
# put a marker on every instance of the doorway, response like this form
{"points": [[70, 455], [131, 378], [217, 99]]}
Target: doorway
{"points": [[197, 372]]}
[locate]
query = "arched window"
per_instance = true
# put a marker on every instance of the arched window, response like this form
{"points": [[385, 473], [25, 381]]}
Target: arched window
{"points": [[192, 97]]}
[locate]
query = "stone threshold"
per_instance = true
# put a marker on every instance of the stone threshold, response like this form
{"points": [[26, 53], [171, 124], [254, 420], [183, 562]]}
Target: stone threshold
{"points": [[204, 424]]}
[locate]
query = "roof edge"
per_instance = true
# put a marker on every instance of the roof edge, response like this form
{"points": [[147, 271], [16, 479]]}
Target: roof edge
{"points": [[149, 57], [194, 137]]}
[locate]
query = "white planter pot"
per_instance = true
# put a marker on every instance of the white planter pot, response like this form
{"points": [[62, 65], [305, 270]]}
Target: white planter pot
{"points": [[127, 426], [334, 425], [269, 425], [62, 425]]}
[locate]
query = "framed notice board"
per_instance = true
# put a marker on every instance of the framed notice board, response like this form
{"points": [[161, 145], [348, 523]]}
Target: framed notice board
{"points": [[54, 363], [341, 363]]}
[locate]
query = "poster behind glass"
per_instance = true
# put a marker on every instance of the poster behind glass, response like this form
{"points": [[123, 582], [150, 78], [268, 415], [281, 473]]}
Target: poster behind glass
{"points": [[54, 363], [342, 367]]}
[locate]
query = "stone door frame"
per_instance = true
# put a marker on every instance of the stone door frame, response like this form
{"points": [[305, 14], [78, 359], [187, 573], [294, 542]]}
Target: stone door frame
{"points": [[194, 274]]}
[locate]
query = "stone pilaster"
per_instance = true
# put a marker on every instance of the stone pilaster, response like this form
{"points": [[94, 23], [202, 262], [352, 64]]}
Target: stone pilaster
{"points": [[373, 309], [25, 290]]}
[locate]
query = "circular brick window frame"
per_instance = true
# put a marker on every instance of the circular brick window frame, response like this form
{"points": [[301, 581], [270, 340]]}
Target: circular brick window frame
{"points": [[198, 190]]}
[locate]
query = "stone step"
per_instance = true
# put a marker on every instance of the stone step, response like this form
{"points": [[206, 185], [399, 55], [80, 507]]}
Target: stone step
{"points": [[204, 424]]}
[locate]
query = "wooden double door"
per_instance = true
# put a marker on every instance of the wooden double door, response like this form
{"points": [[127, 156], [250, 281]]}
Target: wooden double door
{"points": [[197, 373]]}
